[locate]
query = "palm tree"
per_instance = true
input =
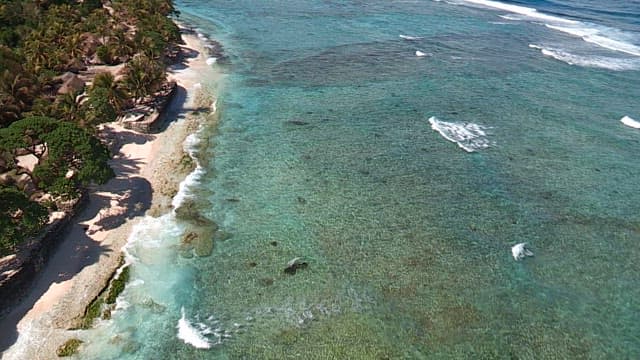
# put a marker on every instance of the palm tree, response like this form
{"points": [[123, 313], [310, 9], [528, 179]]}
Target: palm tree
{"points": [[69, 108], [116, 95], [16, 95], [143, 76]]}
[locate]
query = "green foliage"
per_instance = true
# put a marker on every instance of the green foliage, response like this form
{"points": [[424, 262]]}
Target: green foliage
{"points": [[104, 54], [143, 76], [74, 149], [114, 92], [117, 286], [69, 156], [69, 348], [17, 87], [99, 108], [27, 134], [19, 219], [92, 313], [68, 108]]}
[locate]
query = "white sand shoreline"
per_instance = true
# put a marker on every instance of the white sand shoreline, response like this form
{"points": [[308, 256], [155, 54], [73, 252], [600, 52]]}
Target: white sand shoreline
{"points": [[91, 250]]}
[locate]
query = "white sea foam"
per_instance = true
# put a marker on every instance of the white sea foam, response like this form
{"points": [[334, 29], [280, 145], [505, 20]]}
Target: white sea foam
{"points": [[410, 38], [520, 251], [602, 36], [193, 178], [603, 62], [192, 335], [211, 60], [521, 10], [122, 304], [469, 136], [630, 122], [136, 282], [421, 54], [190, 145]]}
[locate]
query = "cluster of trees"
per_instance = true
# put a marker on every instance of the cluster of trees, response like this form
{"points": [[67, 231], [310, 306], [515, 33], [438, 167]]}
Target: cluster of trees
{"points": [[40, 40]]}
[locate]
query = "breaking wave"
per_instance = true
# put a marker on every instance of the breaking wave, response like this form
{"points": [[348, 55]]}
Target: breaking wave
{"points": [[630, 122], [603, 62], [602, 36], [468, 136], [188, 333], [410, 38]]}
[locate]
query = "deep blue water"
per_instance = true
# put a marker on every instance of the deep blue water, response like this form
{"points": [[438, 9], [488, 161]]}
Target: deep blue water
{"points": [[324, 151]]}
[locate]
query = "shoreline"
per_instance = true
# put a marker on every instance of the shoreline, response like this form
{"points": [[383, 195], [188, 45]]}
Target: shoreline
{"points": [[149, 170]]}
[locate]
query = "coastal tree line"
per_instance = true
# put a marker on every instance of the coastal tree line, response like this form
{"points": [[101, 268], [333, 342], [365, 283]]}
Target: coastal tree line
{"points": [[43, 44]]}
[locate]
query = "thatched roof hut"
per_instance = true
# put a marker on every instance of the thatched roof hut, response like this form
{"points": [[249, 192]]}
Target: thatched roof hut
{"points": [[70, 83]]}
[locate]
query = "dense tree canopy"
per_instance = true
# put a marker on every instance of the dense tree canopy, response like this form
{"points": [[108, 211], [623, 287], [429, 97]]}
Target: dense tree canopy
{"points": [[68, 156], [40, 40], [19, 218]]}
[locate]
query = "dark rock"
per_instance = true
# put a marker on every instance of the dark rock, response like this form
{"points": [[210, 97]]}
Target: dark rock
{"points": [[297, 122], [294, 265]]}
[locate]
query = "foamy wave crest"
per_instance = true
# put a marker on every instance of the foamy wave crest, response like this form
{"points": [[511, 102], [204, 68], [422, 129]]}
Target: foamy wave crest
{"points": [[211, 60], [469, 136], [193, 178], [603, 62], [520, 10], [190, 145], [602, 36], [410, 38], [630, 122], [191, 335]]}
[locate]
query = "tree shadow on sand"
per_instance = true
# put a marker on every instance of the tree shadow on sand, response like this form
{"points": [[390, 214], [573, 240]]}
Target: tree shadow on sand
{"points": [[122, 198]]}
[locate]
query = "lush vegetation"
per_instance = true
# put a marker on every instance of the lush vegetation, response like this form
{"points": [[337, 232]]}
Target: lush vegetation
{"points": [[45, 111], [69, 348]]}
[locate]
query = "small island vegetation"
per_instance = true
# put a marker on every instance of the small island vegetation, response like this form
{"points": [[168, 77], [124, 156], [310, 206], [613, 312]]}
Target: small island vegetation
{"points": [[65, 68]]}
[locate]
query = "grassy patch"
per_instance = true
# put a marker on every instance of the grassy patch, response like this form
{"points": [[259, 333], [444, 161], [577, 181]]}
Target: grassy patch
{"points": [[117, 286], [94, 310], [70, 347]]}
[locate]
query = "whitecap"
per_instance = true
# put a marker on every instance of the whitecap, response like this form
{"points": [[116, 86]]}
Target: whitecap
{"points": [[190, 334], [630, 122], [420, 53], [599, 35], [603, 62], [520, 251], [211, 61], [468, 136], [193, 179], [410, 38], [121, 303], [521, 10]]}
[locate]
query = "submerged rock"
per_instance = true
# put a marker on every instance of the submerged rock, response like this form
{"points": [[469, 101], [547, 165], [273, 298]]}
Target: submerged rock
{"points": [[188, 211], [297, 122], [199, 241], [221, 235], [294, 265], [203, 246]]}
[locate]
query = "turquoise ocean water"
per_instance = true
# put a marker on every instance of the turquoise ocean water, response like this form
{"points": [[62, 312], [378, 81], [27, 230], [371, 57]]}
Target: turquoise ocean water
{"points": [[333, 146]]}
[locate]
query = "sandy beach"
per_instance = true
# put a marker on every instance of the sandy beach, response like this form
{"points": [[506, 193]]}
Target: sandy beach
{"points": [[147, 176]]}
